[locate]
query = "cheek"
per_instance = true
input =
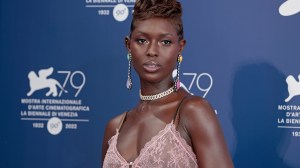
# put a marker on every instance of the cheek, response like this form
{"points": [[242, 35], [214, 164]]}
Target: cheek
{"points": [[137, 61], [135, 48], [137, 54], [172, 59], [173, 64]]}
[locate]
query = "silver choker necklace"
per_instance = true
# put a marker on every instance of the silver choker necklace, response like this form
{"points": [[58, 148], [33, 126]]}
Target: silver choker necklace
{"points": [[157, 96]]}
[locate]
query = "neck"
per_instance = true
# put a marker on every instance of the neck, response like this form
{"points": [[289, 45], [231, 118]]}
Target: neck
{"points": [[155, 88]]}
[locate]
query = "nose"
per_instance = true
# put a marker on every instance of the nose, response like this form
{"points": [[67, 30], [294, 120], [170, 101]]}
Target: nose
{"points": [[152, 50]]}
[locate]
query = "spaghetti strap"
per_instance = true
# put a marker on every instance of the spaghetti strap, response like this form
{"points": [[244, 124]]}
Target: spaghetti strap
{"points": [[177, 113], [122, 120]]}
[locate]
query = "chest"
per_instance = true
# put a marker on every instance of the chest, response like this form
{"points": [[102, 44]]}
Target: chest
{"points": [[166, 149], [133, 137]]}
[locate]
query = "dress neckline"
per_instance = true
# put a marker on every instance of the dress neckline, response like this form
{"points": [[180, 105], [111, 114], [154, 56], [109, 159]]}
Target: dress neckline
{"points": [[168, 126], [147, 144], [162, 132]]}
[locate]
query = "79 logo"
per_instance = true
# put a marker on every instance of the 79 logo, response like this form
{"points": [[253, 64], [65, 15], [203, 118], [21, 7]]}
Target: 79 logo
{"points": [[42, 81], [70, 78], [196, 81], [196, 78]]}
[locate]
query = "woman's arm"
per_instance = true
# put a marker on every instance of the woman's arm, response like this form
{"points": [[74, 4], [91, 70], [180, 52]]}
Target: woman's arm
{"points": [[200, 120]]}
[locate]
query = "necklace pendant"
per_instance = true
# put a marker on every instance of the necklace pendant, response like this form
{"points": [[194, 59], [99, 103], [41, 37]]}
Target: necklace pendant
{"points": [[129, 83], [177, 85]]}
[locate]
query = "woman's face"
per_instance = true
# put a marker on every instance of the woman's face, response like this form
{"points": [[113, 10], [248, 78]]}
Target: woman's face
{"points": [[154, 46]]}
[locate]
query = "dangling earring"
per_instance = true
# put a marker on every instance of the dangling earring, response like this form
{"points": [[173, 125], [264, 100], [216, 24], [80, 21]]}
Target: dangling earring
{"points": [[129, 80], [177, 80]]}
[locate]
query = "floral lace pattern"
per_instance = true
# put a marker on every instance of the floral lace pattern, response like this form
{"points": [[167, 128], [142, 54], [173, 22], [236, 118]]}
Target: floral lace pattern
{"points": [[165, 150]]}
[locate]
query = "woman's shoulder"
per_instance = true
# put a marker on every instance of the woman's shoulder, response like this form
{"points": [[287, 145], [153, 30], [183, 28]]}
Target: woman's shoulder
{"points": [[114, 123], [196, 104], [196, 110], [201, 123]]}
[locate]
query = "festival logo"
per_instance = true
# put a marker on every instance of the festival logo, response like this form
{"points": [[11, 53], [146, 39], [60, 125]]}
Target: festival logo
{"points": [[289, 114], [120, 12], [41, 81], [54, 125], [119, 9], [52, 111], [200, 83], [290, 7], [293, 87]]}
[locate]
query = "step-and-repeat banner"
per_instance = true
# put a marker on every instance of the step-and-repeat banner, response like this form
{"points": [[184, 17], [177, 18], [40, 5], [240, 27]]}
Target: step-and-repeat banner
{"points": [[63, 70]]}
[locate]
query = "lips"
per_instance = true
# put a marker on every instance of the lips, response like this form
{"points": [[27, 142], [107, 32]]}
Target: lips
{"points": [[151, 66]]}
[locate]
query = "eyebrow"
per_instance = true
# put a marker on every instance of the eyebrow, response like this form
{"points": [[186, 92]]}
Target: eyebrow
{"points": [[163, 34]]}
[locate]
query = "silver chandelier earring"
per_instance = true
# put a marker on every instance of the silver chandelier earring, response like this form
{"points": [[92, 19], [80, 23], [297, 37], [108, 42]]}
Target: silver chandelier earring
{"points": [[129, 80], [177, 80]]}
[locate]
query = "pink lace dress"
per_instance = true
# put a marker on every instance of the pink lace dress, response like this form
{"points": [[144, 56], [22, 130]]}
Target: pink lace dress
{"points": [[167, 149]]}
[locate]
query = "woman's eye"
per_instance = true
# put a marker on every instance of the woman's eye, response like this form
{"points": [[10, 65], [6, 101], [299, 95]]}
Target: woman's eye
{"points": [[166, 42], [141, 41]]}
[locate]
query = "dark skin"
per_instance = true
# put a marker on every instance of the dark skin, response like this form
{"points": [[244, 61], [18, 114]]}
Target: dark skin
{"points": [[155, 40]]}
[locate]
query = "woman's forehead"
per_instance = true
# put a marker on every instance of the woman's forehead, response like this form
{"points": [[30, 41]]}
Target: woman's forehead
{"points": [[155, 25]]}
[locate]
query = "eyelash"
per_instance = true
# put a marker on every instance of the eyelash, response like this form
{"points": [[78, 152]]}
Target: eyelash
{"points": [[141, 41], [164, 42]]}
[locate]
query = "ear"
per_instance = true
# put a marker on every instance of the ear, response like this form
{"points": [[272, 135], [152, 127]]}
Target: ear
{"points": [[127, 43], [181, 45]]}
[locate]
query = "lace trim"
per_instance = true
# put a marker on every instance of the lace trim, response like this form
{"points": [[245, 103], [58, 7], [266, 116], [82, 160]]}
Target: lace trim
{"points": [[154, 139], [184, 144], [148, 144], [120, 157], [111, 138]]}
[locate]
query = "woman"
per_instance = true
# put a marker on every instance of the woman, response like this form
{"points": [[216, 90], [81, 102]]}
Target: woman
{"points": [[168, 127]]}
